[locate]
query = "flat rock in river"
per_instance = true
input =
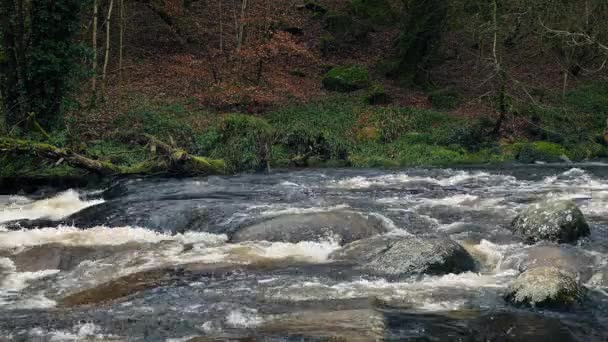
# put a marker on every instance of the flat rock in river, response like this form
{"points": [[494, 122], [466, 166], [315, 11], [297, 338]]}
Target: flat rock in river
{"points": [[551, 220], [343, 226], [398, 256]]}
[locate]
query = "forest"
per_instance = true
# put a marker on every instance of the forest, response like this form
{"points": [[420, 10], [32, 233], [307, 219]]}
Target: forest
{"points": [[198, 87]]}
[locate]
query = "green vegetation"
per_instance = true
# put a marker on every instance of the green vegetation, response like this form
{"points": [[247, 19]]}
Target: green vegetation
{"points": [[293, 88], [40, 60], [347, 78]]}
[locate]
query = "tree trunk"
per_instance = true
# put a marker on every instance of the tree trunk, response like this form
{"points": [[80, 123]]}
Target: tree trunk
{"points": [[241, 31], [94, 44], [121, 39], [107, 53]]}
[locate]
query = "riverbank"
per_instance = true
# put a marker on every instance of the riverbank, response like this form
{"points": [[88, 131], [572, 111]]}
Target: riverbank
{"points": [[335, 131]]}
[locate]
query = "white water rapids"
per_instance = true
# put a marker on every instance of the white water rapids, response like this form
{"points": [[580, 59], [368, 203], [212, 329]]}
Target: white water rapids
{"points": [[473, 206]]}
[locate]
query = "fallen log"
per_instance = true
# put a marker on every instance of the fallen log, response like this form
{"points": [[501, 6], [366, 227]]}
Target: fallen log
{"points": [[181, 161], [173, 160], [58, 155]]}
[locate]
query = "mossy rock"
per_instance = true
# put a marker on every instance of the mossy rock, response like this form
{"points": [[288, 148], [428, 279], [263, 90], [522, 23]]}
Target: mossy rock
{"points": [[376, 95], [378, 12], [347, 78], [545, 287], [542, 151], [551, 220]]}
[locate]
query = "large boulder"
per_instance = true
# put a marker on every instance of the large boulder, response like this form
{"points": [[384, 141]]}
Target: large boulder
{"points": [[402, 256], [342, 226], [545, 287], [565, 257], [551, 220]]}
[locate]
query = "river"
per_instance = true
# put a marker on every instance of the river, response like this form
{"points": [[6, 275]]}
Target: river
{"points": [[154, 259]]}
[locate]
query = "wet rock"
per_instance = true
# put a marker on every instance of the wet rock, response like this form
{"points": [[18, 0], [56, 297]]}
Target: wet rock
{"points": [[117, 288], [551, 220], [345, 226], [130, 284], [564, 257], [600, 278], [397, 256], [62, 257], [545, 287], [346, 325]]}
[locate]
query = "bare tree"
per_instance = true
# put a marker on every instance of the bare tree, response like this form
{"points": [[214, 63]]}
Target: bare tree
{"points": [[107, 48], [94, 44]]}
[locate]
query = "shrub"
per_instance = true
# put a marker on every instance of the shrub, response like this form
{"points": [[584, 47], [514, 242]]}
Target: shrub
{"points": [[541, 151], [347, 78], [376, 95], [444, 99], [243, 141]]}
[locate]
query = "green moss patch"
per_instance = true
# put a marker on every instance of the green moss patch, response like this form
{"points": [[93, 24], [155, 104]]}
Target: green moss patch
{"points": [[347, 78]]}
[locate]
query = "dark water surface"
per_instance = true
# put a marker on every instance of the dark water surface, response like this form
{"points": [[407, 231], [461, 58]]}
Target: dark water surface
{"points": [[156, 258]]}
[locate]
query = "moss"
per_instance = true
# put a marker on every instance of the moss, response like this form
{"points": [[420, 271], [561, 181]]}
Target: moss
{"points": [[347, 78], [541, 151]]}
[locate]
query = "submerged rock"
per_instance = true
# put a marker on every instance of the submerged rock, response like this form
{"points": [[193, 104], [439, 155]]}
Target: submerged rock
{"points": [[545, 287], [551, 220], [56, 256], [519, 326], [343, 226], [398, 256], [344, 325]]}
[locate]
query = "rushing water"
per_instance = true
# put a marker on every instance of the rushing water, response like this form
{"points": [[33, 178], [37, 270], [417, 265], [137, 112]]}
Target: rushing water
{"points": [[174, 235]]}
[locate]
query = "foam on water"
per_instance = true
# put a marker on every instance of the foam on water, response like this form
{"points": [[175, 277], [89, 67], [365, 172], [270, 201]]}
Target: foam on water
{"points": [[285, 210], [12, 283], [420, 294], [454, 178], [55, 208], [100, 236], [244, 318]]}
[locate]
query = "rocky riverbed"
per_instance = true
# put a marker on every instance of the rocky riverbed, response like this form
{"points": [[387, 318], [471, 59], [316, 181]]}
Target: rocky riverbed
{"points": [[510, 254]]}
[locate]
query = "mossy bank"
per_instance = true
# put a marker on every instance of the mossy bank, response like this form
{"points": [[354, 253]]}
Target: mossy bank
{"points": [[343, 130]]}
